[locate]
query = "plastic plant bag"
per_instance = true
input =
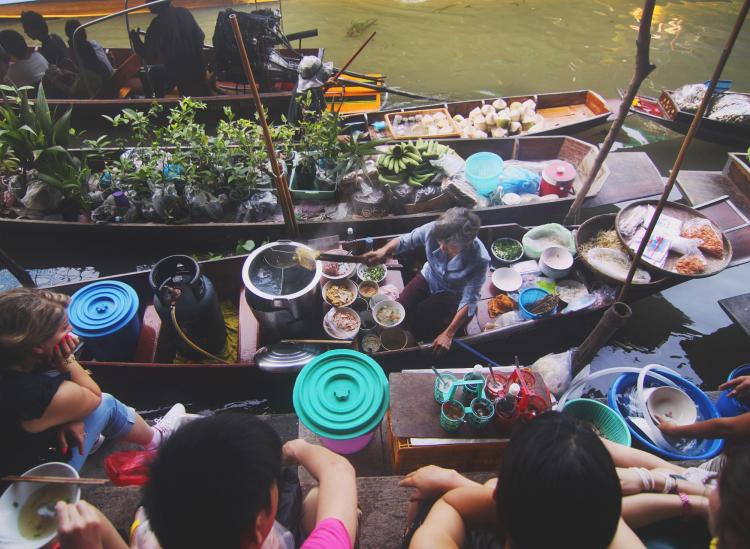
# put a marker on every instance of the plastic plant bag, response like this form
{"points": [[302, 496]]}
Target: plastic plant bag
{"points": [[170, 205], [556, 371], [129, 468], [732, 108], [41, 197], [519, 180], [106, 212], [542, 237], [688, 97], [204, 205], [428, 192], [259, 207]]}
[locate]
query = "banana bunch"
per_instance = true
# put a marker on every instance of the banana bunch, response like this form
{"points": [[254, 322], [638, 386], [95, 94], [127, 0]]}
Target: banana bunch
{"points": [[410, 163]]}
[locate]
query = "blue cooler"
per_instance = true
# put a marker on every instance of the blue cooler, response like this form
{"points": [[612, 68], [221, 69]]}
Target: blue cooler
{"points": [[105, 315]]}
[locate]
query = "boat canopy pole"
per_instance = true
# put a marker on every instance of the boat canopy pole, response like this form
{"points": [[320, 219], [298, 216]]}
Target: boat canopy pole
{"points": [[697, 118], [101, 20]]}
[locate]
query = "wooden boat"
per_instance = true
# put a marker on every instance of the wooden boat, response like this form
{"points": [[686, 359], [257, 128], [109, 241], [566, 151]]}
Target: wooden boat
{"points": [[98, 8], [564, 112], [276, 93], [664, 111], [156, 349], [626, 176]]}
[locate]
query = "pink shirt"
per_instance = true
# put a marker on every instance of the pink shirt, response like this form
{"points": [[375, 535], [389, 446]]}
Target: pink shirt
{"points": [[329, 534]]}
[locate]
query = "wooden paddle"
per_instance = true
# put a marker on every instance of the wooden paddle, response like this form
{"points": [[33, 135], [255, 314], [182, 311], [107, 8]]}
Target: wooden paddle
{"points": [[57, 480]]}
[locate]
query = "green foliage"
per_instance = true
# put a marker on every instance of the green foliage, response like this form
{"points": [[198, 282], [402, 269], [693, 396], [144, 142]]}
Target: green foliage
{"points": [[318, 134]]}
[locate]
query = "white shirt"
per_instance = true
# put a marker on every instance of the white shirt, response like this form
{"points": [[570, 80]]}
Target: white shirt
{"points": [[28, 72], [102, 55]]}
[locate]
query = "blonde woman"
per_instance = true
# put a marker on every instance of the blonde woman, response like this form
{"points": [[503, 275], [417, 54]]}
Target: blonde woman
{"points": [[50, 408]]}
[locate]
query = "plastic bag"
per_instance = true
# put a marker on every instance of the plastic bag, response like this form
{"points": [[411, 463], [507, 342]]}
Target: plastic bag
{"points": [[170, 205], [451, 164], [106, 212], [732, 108], [129, 468], [692, 264], [615, 264], [709, 237], [688, 97], [399, 196], [259, 207], [428, 192], [542, 237], [631, 220], [204, 205], [41, 197], [556, 371], [519, 180]]}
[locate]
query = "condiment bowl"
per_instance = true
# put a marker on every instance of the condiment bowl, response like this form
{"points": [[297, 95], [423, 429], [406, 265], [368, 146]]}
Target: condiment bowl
{"points": [[506, 240], [361, 269], [507, 279], [348, 284], [556, 262], [336, 332], [368, 289], [388, 303]]}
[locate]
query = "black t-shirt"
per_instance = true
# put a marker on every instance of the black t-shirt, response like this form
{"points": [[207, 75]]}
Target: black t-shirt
{"points": [[25, 396], [54, 50]]}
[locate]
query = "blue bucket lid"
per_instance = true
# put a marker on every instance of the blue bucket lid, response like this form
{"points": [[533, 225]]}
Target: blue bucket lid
{"points": [[102, 308]]}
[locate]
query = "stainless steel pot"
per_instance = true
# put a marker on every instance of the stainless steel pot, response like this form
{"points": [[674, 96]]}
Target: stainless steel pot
{"points": [[285, 299]]}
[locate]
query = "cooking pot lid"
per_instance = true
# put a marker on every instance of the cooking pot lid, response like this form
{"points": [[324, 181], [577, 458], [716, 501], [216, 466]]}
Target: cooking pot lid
{"points": [[559, 171], [286, 357], [341, 394], [102, 308]]}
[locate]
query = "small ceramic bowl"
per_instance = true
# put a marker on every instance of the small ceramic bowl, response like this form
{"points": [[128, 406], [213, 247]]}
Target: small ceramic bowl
{"points": [[388, 303], [368, 289], [556, 262], [508, 241], [348, 284], [336, 332], [507, 279], [361, 271]]}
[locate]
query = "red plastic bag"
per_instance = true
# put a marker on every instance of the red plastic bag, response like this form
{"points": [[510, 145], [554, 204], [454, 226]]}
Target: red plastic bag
{"points": [[129, 468]]}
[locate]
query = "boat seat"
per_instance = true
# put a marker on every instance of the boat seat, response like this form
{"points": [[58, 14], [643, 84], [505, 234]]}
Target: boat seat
{"points": [[248, 332], [148, 341], [121, 79]]}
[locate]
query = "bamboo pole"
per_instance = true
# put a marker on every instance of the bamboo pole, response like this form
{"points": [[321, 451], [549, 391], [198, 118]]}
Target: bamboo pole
{"points": [[16, 270], [643, 67], [614, 318], [282, 188], [352, 58], [686, 144]]}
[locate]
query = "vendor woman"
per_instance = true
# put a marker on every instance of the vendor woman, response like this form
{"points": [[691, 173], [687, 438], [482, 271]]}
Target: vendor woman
{"points": [[443, 296]]}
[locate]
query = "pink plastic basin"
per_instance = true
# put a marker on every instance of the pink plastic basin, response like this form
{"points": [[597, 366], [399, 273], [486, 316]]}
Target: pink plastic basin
{"points": [[347, 446]]}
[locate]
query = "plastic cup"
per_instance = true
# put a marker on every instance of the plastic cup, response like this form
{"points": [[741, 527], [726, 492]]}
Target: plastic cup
{"points": [[474, 390], [482, 411], [451, 415], [444, 389], [495, 386]]}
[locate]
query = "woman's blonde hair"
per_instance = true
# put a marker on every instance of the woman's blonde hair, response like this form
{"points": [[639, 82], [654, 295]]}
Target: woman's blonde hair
{"points": [[28, 318]]}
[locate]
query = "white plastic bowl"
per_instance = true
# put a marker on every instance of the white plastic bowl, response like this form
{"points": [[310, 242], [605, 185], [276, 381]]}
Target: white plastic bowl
{"points": [[16, 496], [350, 285], [384, 303], [361, 269], [672, 404], [507, 279], [338, 333], [556, 262]]}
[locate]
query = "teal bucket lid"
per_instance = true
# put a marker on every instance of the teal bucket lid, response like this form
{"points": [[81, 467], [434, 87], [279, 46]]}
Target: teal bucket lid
{"points": [[341, 394], [102, 308]]}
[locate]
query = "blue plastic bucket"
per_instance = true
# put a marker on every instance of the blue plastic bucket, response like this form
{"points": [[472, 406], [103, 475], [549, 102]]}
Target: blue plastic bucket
{"points": [[707, 449], [529, 296], [105, 315], [730, 407], [483, 171]]}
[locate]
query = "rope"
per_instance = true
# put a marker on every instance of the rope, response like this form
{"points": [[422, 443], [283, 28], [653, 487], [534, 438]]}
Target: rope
{"points": [[190, 343]]}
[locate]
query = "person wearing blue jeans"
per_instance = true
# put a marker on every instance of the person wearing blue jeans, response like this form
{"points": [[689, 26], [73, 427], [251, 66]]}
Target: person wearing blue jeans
{"points": [[44, 413]]}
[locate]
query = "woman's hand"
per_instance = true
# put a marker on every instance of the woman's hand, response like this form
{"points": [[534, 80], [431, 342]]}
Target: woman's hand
{"points": [[667, 427], [431, 482], [64, 351], [375, 257], [78, 526], [739, 386], [442, 343], [73, 432], [289, 451]]}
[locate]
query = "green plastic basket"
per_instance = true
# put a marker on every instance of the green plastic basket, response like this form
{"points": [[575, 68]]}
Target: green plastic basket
{"points": [[609, 423]]}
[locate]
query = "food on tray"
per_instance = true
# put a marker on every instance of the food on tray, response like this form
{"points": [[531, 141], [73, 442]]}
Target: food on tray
{"points": [[368, 289], [507, 249], [499, 305], [711, 241], [570, 290], [388, 315], [336, 268], [390, 291], [690, 265], [603, 239], [346, 321], [339, 295], [500, 119], [435, 122], [545, 305], [376, 273], [331, 268], [615, 264]]}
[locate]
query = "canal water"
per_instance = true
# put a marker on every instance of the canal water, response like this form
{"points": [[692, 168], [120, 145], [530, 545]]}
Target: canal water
{"points": [[472, 48]]}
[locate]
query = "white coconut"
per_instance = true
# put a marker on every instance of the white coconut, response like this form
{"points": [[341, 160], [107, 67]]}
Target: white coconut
{"points": [[516, 105], [427, 120], [499, 104], [475, 112], [527, 123], [442, 123], [515, 127], [516, 114], [491, 119], [503, 120], [499, 132], [480, 123], [529, 104], [458, 118], [438, 116], [398, 119], [487, 109], [418, 117], [477, 134]]}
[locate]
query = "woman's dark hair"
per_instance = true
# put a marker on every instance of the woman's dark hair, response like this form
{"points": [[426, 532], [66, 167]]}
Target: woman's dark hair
{"points": [[13, 43], [457, 226], [734, 499], [70, 27], [210, 480], [34, 21], [558, 486]]}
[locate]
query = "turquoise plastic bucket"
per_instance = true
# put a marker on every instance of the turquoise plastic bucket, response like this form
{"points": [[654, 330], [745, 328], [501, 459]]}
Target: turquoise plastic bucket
{"points": [[105, 315], [730, 407], [483, 171]]}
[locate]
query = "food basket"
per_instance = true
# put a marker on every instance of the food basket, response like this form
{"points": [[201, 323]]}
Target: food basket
{"points": [[450, 131]]}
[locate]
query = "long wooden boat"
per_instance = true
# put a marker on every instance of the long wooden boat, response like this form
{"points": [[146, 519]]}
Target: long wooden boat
{"points": [[626, 176], [663, 110], [276, 93], [156, 349], [564, 112], [98, 8]]}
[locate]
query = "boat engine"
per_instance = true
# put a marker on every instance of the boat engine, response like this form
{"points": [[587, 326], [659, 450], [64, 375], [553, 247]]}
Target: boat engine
{"points": [[183, 294]]}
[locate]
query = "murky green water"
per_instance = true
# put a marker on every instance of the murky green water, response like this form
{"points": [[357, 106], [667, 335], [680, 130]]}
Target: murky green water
{"points": [[464, 49]]}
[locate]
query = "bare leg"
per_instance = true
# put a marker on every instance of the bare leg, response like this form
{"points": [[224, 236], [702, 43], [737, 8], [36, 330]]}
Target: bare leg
{"points": [[309, 512], [624, 456], [141, 433]]}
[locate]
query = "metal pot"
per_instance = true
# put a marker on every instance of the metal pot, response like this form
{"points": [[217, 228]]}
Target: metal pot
{"points": [[285, 299]]}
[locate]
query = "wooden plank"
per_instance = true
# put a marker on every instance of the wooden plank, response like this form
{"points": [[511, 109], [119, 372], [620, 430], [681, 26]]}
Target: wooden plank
{"points": [[700, 187], [738, 309], [632, 176], [724, 215]]}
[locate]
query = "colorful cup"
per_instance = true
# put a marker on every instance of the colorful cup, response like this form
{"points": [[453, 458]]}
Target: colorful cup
{"points": [[495, 386], [444, 392], [482, 411], [451, 415], [475, 389]]}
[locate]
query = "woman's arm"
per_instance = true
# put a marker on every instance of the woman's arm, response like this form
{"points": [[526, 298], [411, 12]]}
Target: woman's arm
{"points": [[378, 256], [71, 402], [443, 341], [625, 538], [644, 509], [66, 363], [732, 428]]}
